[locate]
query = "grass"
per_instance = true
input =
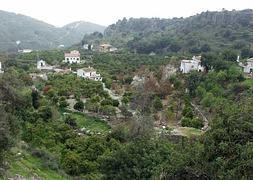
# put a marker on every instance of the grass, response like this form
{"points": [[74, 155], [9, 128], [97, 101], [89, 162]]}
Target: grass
{"points": [[92, 123], [28, 166], [191, 132]]}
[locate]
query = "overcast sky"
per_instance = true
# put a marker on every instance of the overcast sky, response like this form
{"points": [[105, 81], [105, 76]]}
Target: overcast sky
{"points": [[106, 12]]}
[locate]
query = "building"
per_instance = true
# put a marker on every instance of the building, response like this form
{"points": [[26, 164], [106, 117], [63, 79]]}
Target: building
{"points": [[89, 73], [191, 65], [107, 48], [72, 57], [41, 65], [248, 67], [88, 46], [1, 71], [25, 51], [113, 49]]}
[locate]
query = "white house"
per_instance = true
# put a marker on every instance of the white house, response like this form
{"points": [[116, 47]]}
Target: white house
{"points": [[72, 57], [248, 67], [25, 51], [88, 46], [191, 65], [107, 48], [113, 49], [89, 73], [41, 65], [1, 71]]}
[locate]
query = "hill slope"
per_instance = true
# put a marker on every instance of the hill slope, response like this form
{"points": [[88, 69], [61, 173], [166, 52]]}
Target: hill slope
{"points": [[208, 31], [36, 34]]}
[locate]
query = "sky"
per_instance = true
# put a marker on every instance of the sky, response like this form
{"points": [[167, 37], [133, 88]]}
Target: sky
{"points": [[106, 12]]}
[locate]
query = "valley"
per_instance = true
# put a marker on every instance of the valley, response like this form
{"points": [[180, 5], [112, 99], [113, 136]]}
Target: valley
{"points": [[170, 101]]}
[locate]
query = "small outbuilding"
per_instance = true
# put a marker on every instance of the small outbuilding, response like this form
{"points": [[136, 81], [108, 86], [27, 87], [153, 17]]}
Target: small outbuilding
{"points": [[191, 65], [248, 67], [89, 73]]}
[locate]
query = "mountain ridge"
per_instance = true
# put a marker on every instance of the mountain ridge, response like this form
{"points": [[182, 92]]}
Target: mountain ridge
{"points": [[204, 32], [39, 35]]}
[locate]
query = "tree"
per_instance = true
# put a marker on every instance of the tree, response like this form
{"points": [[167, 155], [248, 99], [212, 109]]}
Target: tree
{"points": [[79, 105], [63, 103], [157, 104], [229, 55], [140, 159], [6, 133], [194, 122], [227, 143], [71, 121], [35, 99], [71, 163], [205, 48], [246, 53], [193, 81], [108, 110], [124, 111], [45, 113]]}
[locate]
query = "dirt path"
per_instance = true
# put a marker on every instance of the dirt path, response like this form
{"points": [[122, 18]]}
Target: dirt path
{"points": [[206, 122], [112, 94]]}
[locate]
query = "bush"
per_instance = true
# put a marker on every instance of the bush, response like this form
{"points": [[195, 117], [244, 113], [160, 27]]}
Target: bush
{"points": [[70, 121], [35, 99], [45, 113], [108, 110], [115, 102], [157, 104], [48, 161], [63, 103], [79, 106], [194, 122], [187, 112]]}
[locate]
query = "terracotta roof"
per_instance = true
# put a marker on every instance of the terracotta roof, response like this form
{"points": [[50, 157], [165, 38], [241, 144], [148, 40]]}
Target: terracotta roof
{"points": [[73, 54]]}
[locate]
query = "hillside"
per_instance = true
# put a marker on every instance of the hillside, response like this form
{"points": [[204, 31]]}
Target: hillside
{"points": [[83, 27], [36, 34], [208, 31]]}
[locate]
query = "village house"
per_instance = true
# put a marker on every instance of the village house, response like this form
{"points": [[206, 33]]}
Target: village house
{"points": [[89, 73], [25, 51], [87, 46], [107, 48], [72, 57], [191, 65], [1, 71], [248, 67], [41, 65]]}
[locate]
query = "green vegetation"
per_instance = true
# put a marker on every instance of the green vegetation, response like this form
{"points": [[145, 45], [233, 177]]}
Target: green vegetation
{"points": [[154, 130], [28, 166], [205, 32], [91, 123]]}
